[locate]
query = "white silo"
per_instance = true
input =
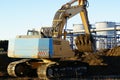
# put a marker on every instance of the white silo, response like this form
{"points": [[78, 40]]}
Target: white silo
{"points": [[102, 25], [105, 41], [77, 27]]}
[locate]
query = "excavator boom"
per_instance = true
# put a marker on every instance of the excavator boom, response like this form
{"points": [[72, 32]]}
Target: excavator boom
{"points": [[62, 15], [84, 42]]}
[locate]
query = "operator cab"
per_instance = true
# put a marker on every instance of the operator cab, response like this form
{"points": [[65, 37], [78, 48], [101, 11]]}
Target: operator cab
{"points": [[32, 32]]}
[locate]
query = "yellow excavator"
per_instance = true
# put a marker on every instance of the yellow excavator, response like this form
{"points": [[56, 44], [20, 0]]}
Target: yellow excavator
{"points": [[84, 42], [46, 53]]}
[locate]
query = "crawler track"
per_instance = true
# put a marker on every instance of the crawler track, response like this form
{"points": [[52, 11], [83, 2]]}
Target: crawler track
{"points": [[18, 68], [63, 69], [47, 70]]}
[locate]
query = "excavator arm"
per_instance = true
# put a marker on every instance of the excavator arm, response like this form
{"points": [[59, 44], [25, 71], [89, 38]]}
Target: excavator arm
{"points": [[84, 42], [66, 12], [84, 16], [62, 15]]}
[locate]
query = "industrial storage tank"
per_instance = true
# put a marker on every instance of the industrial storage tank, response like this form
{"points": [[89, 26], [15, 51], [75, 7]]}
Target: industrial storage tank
{"points": [[103, 25], [77, 27], [104, 42]]}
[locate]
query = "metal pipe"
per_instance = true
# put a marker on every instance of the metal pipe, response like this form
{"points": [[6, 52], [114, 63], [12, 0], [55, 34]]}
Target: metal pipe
{"points": [[98, 30]]}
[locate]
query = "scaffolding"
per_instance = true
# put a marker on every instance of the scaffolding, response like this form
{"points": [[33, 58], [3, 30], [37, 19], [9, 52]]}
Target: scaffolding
{"points": [[102, 41]]}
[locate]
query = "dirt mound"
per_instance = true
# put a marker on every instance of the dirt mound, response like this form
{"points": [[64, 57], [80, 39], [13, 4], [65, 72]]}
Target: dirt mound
{"points": [[114, 51], [97, 58], [92, 59]]}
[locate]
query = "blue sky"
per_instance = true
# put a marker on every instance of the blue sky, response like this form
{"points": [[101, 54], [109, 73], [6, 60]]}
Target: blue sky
{"points": [[17, 16]]}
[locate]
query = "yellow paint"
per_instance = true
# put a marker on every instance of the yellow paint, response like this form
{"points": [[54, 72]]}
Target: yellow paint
{"points": [[84, 16]]}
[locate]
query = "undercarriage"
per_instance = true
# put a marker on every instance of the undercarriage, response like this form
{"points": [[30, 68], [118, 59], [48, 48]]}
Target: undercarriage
{"points": [[47, 69]]}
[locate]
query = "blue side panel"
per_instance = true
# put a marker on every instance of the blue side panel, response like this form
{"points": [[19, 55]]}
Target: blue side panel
{"points": [[51, 47], [45, 48], [33, 47], [26, 48]]}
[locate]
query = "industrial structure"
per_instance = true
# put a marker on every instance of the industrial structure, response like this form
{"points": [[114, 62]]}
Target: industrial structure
{"points": [[106, 34]]}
